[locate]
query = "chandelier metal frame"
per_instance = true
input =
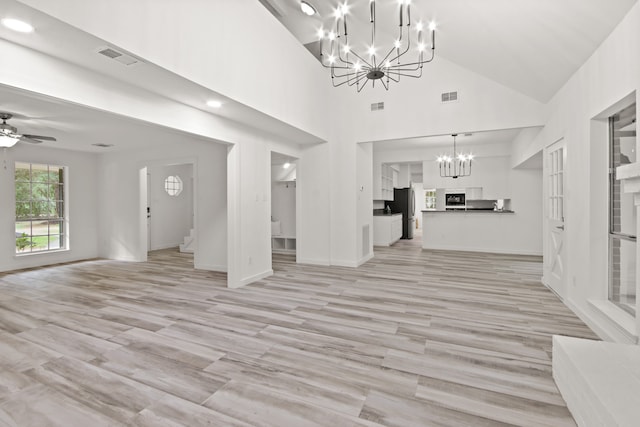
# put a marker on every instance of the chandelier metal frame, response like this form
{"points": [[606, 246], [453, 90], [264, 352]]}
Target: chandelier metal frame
{"points": [[354, 69], [457, 165]]}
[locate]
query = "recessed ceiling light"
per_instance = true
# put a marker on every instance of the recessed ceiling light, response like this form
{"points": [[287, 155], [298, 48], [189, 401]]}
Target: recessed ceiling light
{"points": [[214, 104], [17, 25], [307, 9]]}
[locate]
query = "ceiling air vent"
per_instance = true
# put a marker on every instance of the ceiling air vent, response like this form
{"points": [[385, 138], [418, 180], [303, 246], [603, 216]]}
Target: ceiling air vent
{"points": [[377, 106], [119, 56], [449, 96], [102, 145]]}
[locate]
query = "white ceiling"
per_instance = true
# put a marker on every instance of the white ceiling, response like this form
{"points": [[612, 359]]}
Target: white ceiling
{"points": [[466, 139], [532, 46], [63, 41], [76, 127]]}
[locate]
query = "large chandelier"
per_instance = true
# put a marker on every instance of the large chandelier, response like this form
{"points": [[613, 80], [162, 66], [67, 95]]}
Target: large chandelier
{"points": [[456, 165], [353, 68]]}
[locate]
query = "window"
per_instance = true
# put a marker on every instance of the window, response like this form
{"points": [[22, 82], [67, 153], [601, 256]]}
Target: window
{"points": [[40, 207], [622, 212], [173, 185]]}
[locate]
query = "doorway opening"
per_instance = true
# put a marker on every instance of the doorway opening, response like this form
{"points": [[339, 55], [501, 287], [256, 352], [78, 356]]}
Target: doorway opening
{"points": [[283, 204], [170, 207]]}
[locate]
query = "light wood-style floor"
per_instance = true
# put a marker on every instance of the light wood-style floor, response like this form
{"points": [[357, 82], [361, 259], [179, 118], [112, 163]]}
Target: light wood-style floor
{"points": [[412, 338]]}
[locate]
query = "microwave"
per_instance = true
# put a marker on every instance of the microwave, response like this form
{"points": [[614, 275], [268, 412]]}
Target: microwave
{"points": [[455, 200]]}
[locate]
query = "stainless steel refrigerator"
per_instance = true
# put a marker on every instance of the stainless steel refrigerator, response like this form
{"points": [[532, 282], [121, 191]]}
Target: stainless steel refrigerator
{"points": [[404, 202]]}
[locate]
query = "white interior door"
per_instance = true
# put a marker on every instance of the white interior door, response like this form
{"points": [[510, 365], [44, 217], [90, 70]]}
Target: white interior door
{"points": [[555, 251]]}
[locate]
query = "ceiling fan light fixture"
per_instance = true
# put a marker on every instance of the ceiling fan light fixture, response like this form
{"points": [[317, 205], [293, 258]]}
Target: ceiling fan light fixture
{"points": [[17, 25], [7, 141]]}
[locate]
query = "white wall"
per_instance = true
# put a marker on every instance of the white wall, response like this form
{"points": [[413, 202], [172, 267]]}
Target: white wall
{"points": [[82, 202], [171, 216], [283, 206], [577, 114], [122, 218]]}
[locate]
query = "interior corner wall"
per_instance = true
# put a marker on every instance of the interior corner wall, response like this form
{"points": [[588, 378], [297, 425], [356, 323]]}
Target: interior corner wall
{"points": [[82, 204], [608, 76], [171, 216]]}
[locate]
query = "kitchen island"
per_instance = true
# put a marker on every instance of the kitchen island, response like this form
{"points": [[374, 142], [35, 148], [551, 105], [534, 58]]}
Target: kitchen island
{"points": [[478, 231]]}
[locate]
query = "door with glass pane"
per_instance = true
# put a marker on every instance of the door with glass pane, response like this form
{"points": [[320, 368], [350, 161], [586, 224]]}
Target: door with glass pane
{"points": [[555, 253], [622, 212]]}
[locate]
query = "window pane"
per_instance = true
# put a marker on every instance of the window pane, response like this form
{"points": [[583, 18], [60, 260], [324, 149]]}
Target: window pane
{"points": [[39, 191], [622, 291], [55, 174], [55, 242], [55, 227], [23, 244], [23, 227], [39, 173], [23, 191], [22, 172], [40, 243], [23, 210]]}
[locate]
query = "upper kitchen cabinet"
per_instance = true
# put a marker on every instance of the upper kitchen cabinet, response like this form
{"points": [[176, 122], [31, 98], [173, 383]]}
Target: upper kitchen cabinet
{"points": [[383, 181]]}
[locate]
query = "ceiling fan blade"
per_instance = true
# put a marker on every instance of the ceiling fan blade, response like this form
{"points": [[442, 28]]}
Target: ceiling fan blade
{"points": [[25, 138], [43, 138]]}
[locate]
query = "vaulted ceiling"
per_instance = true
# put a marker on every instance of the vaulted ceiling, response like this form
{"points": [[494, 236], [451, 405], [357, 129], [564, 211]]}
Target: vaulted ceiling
{"points": [[532, 46]]}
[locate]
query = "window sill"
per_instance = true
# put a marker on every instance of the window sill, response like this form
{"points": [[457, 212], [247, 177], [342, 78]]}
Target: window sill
{"points": [[29, 254], [620, 319]]}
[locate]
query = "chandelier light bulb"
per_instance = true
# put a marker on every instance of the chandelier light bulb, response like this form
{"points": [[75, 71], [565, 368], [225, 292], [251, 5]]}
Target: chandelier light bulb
{"points": [[372, 50], [332, 59], [421, 47], [332, 36], [346, 48], [419, 26], [320, 33], [432, 26]]}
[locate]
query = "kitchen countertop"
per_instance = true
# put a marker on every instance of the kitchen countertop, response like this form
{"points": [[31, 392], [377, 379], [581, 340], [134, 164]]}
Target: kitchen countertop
{"points": [[474, 211], [386, 214]]}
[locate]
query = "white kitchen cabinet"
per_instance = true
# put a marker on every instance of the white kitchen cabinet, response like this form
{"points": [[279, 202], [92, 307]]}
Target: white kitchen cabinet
{"points": [[383, 182], [473, 193], [387, 229]]}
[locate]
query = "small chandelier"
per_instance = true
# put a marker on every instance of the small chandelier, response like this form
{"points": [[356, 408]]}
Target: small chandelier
{"points": [[351, 68], [456, 165]]}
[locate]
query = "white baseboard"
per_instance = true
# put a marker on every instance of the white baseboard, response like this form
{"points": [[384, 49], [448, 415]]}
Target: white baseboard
{"points": [[486, 250], [342, 263], [365, 259], [313, 261], [222, 268], [250, 279]]}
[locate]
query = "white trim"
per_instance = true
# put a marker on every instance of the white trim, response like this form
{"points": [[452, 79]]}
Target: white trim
{"points": [[221, 268], [486, 250], [313, 261], [250, 279], [365, 259]]}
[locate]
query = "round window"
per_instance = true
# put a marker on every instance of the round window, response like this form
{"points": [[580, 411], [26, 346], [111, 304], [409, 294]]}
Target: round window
{"points": [[173, 185]]}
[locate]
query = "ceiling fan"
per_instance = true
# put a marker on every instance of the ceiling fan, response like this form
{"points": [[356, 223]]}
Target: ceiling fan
{"points": [[9, 135]]}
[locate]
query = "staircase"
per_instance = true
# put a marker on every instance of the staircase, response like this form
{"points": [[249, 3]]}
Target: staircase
{"points": [[189, 242]]}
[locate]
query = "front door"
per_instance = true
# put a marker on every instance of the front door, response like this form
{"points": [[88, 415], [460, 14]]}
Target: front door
{"points": [[555, 251]]}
